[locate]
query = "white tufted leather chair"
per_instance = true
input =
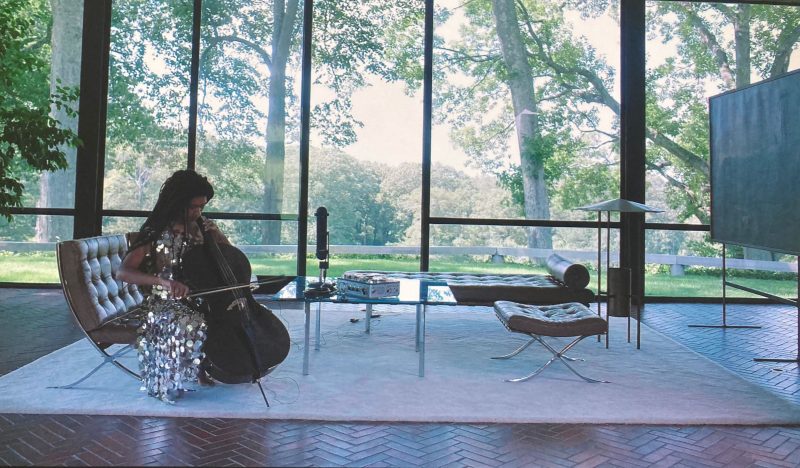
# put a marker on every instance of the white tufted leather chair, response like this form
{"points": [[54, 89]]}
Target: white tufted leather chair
{"points": [[102, 305]]}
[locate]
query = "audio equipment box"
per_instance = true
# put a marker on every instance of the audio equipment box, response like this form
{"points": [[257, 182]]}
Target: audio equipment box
{"points": [[369, 285]]}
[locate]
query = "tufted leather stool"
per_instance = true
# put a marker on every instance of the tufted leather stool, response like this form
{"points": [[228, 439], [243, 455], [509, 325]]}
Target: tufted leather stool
{"points": [[560, 320], [103, 306]]}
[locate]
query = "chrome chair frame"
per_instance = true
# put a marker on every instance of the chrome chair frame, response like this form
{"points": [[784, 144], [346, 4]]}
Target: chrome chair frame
{"points": [[112, 358], [557, 355]]}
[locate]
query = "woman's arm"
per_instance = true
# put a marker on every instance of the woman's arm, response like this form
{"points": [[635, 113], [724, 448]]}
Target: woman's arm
{"points": [[129, 272]]}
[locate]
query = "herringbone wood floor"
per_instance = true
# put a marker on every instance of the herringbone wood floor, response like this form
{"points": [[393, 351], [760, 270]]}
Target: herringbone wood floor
{"points": [[35, 322]]}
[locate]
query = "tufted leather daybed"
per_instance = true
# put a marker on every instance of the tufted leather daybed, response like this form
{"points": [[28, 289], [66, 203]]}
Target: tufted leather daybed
{"points": [[99, 302], [561, 320], [566, 282]]}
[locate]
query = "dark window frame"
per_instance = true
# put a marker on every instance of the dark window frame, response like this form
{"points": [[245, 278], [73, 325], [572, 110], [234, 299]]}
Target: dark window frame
{"points": [[88, 211]]}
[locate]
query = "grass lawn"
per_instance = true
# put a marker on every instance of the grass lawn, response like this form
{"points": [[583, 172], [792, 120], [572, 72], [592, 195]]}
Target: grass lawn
{"points": [[41, 267]]}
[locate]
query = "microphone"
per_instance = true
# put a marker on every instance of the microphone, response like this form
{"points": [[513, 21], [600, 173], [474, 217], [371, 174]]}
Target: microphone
{"points": [[321, 288], [322, 233]]}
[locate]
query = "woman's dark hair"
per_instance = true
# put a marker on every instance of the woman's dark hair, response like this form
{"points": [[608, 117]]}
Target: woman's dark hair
{"points": [[174, 197]]}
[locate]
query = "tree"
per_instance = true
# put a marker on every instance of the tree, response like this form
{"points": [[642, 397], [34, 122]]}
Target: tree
{"points": [[505, 74], [248, 60], [518, 56], [456, 194], [31, 137], [361, 213], [57, 189], [719, 45]]}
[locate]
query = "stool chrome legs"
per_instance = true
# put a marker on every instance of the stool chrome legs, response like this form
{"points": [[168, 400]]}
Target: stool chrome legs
{"points": [[557, 355], [531, 341]]}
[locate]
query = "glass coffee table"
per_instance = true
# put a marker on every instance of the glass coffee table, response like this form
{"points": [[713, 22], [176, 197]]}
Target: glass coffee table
{"points": [[412, 292]]}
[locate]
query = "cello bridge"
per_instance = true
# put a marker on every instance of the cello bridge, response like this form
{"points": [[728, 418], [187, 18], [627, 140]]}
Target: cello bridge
{"points": [[239, 303]]}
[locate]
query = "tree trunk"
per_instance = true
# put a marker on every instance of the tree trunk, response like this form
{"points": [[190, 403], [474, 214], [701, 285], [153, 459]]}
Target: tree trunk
{"points": [[276, 119], [276, 154], [57, 189], [520, 83], [741, 28]]}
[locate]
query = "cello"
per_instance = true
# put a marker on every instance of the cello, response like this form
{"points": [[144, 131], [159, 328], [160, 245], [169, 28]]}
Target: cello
{"points": [[245, 341]]}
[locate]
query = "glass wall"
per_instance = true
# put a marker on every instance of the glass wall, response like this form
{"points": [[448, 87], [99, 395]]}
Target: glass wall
{"points": [[366, 127], [247, 121], [525, 139], [694, 51], [248, 114], [496, 249], [265, 259], [511, 139], [148, 100], [24, 261], [40, 68]]}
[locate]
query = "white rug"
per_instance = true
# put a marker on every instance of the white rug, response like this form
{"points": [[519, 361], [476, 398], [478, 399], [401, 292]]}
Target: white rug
{"points": [[359, 377]]}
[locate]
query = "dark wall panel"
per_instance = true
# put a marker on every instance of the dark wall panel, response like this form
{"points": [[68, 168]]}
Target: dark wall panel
{"points": [[755, 165]]}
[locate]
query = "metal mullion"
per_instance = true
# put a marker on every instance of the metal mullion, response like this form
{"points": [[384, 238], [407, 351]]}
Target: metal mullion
{"points": [[305, 125], [677, 227], [632, 140], [514, 222], [194, 77], [92, 107], [427, 119], [212, 214], [43, 211]]}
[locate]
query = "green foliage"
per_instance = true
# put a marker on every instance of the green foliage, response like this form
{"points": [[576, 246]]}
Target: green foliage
{"points": [[712, 42], [570, 137], [41, 268], [30, 139], [360, 213]]}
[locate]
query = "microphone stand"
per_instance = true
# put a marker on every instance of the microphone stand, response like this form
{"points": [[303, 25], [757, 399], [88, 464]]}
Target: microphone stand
{"points": [[322, 286], [323, 266]]}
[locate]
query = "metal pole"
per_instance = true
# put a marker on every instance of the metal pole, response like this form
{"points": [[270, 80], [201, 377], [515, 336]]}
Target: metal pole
{"points": [[725, 285], [194, 75], [599, 256], [305, 144], [608, 244], [724, 288], [427, 123]]}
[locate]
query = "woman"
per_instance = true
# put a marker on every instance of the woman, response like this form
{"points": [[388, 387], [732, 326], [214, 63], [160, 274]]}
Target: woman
{"points": [[172, 334]]}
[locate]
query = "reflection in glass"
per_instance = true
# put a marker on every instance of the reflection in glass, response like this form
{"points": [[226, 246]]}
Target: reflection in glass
{"points": [[58, 47], [366, 120], [536, 136], [148, 100], [248, 116]]}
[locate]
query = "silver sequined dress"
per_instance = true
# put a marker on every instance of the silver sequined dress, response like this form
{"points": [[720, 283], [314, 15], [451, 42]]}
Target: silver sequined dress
{"points": [[171, 336]]}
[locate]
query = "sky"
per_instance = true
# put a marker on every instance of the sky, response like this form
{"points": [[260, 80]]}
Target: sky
{"points": [[392, 131]]}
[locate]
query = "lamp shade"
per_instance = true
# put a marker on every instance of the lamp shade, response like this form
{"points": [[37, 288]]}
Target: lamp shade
{"points": [[621, 205]]}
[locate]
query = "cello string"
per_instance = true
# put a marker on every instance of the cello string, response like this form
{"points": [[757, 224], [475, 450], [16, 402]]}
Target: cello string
{"points": [[220, 260], [225, 269]]}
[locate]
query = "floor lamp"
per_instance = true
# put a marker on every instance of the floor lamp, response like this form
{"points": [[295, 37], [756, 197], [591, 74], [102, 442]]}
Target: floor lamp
{"points": [[619, 205]]}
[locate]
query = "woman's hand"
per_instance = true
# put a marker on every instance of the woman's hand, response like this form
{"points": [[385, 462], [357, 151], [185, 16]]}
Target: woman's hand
{"points": [[176, 289], [210, 226]]}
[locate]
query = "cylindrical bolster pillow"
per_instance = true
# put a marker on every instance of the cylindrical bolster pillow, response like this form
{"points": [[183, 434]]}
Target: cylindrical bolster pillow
{"points": [[573, 275]]}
